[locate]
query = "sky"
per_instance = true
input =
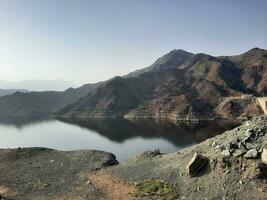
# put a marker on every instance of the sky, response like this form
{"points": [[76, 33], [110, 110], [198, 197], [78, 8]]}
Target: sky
{"points": [[87, 41]]}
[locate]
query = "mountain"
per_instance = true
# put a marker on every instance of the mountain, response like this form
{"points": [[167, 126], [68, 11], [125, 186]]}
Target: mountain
{"points": [[41, 103], [171, 60], [119, 95], [178, 85], [38, 85], [4, 92]]}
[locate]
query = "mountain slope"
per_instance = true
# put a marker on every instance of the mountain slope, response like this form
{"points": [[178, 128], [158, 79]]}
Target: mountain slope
{"points": [[119, 95], [254, 64], [179, 84], [171, 60], [41, 103]]}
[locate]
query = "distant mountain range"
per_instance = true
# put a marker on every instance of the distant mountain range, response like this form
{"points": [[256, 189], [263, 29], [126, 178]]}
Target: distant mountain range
{"points": [[179, 84], [4, 92], [37, 85], [41, 103]]}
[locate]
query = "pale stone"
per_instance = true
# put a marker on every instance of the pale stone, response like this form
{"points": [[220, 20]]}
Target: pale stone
{"points": [[264, 155], [252, 153]]}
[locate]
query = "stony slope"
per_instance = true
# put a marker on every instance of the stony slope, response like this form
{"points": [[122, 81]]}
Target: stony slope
{"points": [[231, 173]]}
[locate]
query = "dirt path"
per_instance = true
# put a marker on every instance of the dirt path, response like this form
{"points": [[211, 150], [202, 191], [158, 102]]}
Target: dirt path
{"points": [[113, 187]]}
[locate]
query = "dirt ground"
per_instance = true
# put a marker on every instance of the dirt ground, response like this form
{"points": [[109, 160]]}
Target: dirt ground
{"points": [[114, 187]]}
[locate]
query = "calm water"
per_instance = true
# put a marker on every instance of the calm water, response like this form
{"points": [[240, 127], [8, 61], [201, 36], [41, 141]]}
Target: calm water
{"points": [[121, 137]]}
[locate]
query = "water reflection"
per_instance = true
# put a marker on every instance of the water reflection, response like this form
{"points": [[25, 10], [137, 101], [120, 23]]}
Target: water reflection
{"points": [[119, 136], [22, 122], [183, 134]]}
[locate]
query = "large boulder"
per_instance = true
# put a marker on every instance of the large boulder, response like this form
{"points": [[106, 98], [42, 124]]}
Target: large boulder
{"points": [[196, 164]]}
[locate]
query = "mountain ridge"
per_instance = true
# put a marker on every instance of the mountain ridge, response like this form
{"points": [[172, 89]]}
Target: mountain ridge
{"points": [[178, 84], [199, 82]]}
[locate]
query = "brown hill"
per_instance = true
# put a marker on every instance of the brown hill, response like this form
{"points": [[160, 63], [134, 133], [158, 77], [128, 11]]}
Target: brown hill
{"points": [[179, 84]]}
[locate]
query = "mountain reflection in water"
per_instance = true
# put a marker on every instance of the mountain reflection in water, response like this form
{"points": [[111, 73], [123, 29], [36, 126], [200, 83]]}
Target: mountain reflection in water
{"points": [[119, 136], [183, 134]]}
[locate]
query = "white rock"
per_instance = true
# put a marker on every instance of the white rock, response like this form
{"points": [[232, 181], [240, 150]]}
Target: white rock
{"points": [[226, 153], [252, 153], [264, 155]]}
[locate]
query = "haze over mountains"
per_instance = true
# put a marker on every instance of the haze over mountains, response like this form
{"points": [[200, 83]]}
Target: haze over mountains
{"points": [[177, 84], [37, 85], [4, 92]]}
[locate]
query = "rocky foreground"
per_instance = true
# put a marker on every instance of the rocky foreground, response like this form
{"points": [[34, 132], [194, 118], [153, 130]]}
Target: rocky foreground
{"points": [[229, 166]]}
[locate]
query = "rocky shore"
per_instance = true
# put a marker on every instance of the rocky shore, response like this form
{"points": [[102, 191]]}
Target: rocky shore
{"points": [[232, 165]]}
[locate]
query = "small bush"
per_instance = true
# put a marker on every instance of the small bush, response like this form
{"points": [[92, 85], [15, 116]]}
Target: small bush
{"points": [[156, 188]]}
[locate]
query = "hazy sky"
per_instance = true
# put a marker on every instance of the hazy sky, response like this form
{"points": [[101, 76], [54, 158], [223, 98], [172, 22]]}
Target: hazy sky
{"points": [[86, 41]]}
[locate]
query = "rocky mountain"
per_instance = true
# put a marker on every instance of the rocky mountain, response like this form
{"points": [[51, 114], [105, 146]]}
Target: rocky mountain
{"points": [[178, 85], [4, 92], [41, 103]]}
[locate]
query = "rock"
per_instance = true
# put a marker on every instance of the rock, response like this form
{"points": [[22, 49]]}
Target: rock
{"points": [[156, 152], [196, 164], [249, 133], [226, 153], [261, 171], [249, 146], [242, 145], [231, 151], [233, 145], [264, 155], [252, 153], [225, 161], [220, 147], [239, 152], [214, 144]]}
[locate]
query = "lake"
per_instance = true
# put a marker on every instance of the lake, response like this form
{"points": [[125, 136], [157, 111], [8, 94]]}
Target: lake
{"points": [[120, 137]]}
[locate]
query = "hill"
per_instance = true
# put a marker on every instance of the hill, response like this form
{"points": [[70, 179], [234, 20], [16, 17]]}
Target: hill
{"points": [[179, 85], [41, 103]]}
